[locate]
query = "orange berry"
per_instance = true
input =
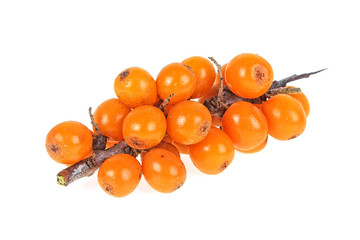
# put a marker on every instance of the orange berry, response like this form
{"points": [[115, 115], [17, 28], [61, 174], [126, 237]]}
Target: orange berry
{"points": [[163, 170], [249, 75], [135, 87], [119, 175], [110, 116], [214, 153], [69, 142], [245, 124], [285, 116], [176, 79], [188, 122], [205, 74], [144, 127]]}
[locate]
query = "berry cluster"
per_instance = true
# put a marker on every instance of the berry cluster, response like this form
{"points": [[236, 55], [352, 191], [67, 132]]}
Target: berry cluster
{"points": [[190, 109]]}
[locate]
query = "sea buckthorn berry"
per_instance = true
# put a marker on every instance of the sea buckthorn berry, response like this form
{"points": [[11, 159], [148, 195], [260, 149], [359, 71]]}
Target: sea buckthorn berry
{"points": [[249, 75], [183, 149], [188, 122], [119, 175], [163, 170], [303, 100], [214, 153], [144, 127], [69, 142], [285, 116], [245, 124], [110, 115], [217, 78], [205, 74], [254, 150], [177, 79], [135, 87]]}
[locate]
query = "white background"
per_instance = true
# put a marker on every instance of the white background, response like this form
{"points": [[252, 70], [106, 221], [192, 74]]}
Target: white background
{"points": [[57, 58]]}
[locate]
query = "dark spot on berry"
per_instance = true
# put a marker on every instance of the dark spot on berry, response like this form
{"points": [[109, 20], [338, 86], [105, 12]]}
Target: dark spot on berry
{"points": [[295, 136], [260, 74], [204, 129], [54, 149], [162, 155], [179, 185], [223, 166], [108, 188], [124, 74], [135, 141]]}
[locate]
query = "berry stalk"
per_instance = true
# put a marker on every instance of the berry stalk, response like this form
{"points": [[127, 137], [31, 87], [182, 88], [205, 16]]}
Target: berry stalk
{"points": [[278, 87], [88, 166]]}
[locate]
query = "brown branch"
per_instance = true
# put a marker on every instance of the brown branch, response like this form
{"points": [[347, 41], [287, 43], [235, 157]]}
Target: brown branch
{"points": [[283, 82], [228, 98], [221, 78], [88, 166], [165, 102]]}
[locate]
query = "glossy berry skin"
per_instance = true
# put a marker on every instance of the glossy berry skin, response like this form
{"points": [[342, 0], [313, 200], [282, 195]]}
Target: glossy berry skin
{"points": [[214, 153], [176, 79], [254, 150], [144, 127], [285, 116], [303, 100], [119, 175], [109, 116], [163, 170], [205, 74], [135, 87], [69, 142], [245, 124], [249, 75], [188, 122]]}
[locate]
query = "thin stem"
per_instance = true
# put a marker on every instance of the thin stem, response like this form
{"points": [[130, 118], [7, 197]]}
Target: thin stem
{"points": [[221, 87], [165, 102], [88, 166], [282, 90], [283, 82], [95, 125]]}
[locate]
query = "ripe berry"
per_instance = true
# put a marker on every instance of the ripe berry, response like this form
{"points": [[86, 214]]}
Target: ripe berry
{"points": [[119, 175], [135, 87], [188, 122], [245, 124], [163, 170], [249, 75], [176, 79], [144, 127], [214, 153], [110, 116], [69, 142], [285, 116]]}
